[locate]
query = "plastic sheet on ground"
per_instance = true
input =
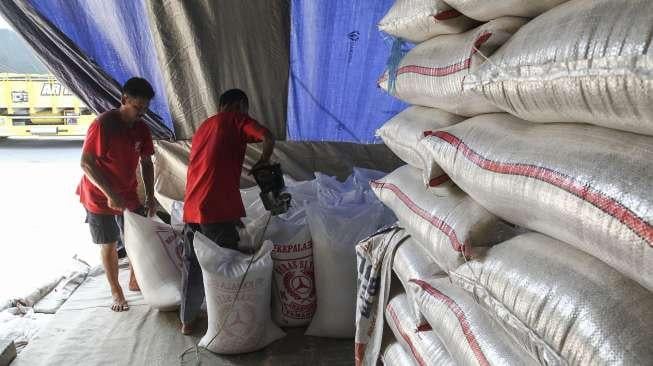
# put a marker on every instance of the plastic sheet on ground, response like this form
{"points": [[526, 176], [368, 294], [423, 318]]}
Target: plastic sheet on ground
{"points": [[86, 332]]}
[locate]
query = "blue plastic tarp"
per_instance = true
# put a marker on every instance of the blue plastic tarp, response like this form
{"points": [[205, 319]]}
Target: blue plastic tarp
{"points": [[336, 56], [116, 35]]}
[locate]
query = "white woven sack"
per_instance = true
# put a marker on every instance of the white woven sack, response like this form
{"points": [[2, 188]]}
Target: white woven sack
{"points": [[448, 225], [422, 342], [293, 300], [584, 61], [243, 325], [413, 261], [565, 306], [395, 355], [584, 185], [335, 232], [487, 10], [403, 132], [420, 20], [432, 73], [154, 252], [468, 333]]}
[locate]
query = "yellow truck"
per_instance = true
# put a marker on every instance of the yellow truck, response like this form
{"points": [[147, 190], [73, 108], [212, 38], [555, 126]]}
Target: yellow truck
{"points": [[39, 105]]}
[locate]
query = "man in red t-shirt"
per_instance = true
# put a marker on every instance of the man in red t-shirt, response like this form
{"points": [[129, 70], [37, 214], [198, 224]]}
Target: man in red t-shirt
{"points": [[213, 205], [115, 144]]}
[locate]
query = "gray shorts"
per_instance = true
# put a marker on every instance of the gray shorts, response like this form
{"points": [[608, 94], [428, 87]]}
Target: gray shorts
{"points": [[107, 229]]}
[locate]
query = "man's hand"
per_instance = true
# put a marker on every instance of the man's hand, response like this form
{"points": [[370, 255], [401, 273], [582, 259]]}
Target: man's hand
{"points": [[150, 205], [262, 162], [116, 203]]}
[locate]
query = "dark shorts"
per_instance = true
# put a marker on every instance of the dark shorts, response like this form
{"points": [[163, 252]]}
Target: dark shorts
{"points": [[108, 229], [224, 234]]}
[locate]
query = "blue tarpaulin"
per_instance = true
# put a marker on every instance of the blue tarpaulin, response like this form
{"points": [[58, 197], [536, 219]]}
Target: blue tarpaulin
{"points": [[336, 56], [326, 61], [114, 34]]}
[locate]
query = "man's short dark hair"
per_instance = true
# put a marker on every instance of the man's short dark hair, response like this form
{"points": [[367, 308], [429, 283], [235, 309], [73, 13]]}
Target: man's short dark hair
{"points": [[233, 96], [138, 88]]}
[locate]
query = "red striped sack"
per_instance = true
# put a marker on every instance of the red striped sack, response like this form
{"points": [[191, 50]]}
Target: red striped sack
{"points": [[420, 20], [584, 185], [418, 340], [402, 134], [448, 224], [469, 334], [432, 73], [565, 306]]}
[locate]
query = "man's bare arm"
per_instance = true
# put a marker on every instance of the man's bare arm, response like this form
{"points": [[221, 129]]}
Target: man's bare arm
{"points": [[95, 175], [268, 147], [147, 171]]}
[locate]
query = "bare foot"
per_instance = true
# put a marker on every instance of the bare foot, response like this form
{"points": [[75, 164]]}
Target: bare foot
{"points": [[119, 303]]}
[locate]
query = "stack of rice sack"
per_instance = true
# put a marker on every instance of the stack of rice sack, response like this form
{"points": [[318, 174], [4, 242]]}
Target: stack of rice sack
{"points": [[572, 161]]}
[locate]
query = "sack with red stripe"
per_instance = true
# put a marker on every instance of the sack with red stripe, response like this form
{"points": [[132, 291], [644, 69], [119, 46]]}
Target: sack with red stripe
{"points": [[584, 185], [403, 132], [419, 20], [449, 225], [468, 333], [413, 261], [395, 355], [432, 73], [419, 340], [584, 61], [564, 305], [487, 10]]}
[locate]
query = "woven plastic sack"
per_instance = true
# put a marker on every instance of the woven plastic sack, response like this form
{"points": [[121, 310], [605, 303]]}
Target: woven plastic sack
{"points": [[537, 287], [584, 185], [395, 355], [155, 255], [487, 10], [403, 132], [335, 232], [584, 61], [236, 324], [420, 20], [374, 256], [468, 333], [432, 73], [413, 261], [422, 342], [293, 300], [449, 226]]}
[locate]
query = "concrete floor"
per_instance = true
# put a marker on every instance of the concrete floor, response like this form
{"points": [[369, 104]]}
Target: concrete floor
{"points": [[41, 220]]}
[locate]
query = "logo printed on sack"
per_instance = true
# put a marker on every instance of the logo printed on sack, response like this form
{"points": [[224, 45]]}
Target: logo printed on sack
{"points": [[294, 277]]}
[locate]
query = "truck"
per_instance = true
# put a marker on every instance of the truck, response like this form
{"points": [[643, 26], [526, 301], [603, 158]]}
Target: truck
{"points": [[39, 105]]}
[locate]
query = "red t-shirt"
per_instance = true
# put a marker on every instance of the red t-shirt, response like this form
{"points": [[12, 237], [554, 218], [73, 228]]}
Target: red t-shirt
{"points": [[216, 161], [117, 149]]}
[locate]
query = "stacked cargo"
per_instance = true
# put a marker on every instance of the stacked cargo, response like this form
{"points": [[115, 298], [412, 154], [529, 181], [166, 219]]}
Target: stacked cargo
{"points": [[569, 161]]}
